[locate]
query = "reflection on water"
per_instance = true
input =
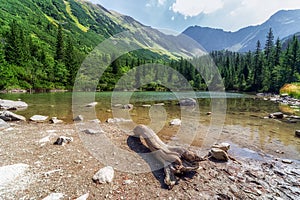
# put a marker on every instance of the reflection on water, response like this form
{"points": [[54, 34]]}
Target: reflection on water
{"points": [[243, 117]]}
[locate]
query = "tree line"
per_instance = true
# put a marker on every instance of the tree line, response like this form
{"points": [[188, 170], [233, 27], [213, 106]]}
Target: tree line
{"points": [[29, 63]]}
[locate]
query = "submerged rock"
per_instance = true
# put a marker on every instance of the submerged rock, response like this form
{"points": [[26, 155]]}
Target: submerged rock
{"points": [[12, 105], [104, 175], [187, 102], [10, 116]]}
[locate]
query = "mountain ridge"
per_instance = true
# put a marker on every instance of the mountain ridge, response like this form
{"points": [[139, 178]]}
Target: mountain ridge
{"points": [[283, 23]]}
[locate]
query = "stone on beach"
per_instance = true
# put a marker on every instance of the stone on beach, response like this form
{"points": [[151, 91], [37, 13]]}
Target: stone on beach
{"points": [[104, 175], [10, 116], [175, 122], [3, 124], [38, 118]]}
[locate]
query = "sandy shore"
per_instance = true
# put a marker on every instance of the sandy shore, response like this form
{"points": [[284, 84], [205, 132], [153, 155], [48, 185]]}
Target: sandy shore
{"points": [[69, 170]]}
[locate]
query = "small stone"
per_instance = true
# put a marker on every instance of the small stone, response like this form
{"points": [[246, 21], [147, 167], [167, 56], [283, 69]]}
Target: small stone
{"points": [[146, 105], [104, 175], [79, 118], [93, 104], [276, 115], [175, 122], [93, 131], [83, 197], [127, 182], [62, 140], [127, 106], [208, 113], [54, 196], [286, 161], [54, 120]]}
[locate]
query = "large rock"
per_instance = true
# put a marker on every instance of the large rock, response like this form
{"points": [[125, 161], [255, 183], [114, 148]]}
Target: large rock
{"points": [[276, 115], [104, 175], [3, 124], [38, 118], [10, 116], [187, 102], [12, 105], [218, 154]]}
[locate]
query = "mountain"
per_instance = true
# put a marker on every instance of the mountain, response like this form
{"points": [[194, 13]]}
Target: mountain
{"points": [[88, 24], [283, 24]]}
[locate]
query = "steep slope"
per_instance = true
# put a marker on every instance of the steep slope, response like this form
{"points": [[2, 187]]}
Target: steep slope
{"points": [[283, 24]]}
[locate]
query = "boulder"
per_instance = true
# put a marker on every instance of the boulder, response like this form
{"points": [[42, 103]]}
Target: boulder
{"points": [[187, 102], [10, 116], [218, 154], [175, 122], [38, 118], [104, 175], [12, 105], [297, 133], [3, 124], [276, 115]]}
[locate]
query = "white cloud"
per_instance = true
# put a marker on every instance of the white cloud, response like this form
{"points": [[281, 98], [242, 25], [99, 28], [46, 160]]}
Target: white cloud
{"points": [[161, 2], [190, 8]]}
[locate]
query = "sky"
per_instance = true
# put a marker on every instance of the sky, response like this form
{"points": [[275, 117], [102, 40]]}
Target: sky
{"points": [[177, 15]]}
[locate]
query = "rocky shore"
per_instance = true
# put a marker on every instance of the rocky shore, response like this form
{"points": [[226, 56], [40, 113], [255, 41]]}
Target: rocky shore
{"points": [[66, 172]]}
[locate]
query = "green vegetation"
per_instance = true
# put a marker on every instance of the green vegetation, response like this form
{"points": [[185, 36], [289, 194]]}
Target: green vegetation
{"points": [[292, 89], [44, 42]]}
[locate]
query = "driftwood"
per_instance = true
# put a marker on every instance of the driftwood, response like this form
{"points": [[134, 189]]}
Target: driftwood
{"points": [[174, 159]]}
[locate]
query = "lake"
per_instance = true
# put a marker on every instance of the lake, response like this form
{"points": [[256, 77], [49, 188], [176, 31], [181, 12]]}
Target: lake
{"points": [[235, 118]]}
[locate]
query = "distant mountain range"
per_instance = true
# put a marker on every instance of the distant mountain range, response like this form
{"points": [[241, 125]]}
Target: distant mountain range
{"points": [[284, 23]]}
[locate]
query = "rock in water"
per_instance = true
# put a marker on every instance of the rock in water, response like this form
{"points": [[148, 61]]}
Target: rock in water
{"points": [[38, 118], [218, 154], [127, 106], [187, 102], [297, 133], [10, 116], [276, 115], [12, 105], [104, 175], [3, 125]]}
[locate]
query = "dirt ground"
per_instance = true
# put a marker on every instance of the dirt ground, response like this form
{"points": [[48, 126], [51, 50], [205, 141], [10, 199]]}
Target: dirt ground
{"points": [[69, 170]]}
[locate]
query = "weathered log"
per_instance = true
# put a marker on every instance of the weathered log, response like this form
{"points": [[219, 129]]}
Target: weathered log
{"points": [[175, 159]]}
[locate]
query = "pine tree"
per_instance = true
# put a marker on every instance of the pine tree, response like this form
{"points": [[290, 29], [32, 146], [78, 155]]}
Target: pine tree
{"points": [[59, 54], [277, 52], [269, 47], [257, 68]]}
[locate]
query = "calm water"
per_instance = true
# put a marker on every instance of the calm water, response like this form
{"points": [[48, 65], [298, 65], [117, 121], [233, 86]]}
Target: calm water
{"points": [[238, 117]]}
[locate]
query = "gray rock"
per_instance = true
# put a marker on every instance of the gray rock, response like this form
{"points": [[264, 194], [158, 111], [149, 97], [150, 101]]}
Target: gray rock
{"points": [[104, 175], [10, 116], [175, 122], [286, 161], [38, 118], [297, 133], [12, 105], [79, 118], [187, 102], [3, 125]]}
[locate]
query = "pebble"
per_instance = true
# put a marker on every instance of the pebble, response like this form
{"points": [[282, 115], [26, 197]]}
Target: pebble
{"points": [[286, 161]]}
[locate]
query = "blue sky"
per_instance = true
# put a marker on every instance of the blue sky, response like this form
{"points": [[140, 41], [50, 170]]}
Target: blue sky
{"points": [[177, 15]]}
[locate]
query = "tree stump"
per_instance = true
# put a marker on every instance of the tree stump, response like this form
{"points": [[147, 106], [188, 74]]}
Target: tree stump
{"points": [[175, 159]]}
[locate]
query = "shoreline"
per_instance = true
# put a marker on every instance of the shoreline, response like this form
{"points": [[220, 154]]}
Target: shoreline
{"points": [[69, 170]]}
